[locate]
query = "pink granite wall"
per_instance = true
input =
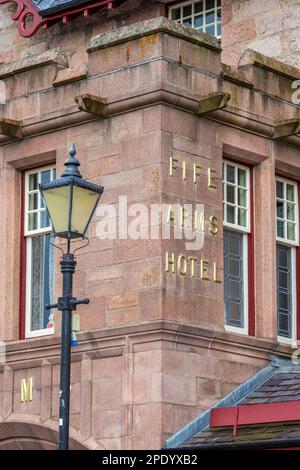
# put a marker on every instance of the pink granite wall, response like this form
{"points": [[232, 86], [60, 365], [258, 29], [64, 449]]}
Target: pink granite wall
{"points": [[153, 352], [270, 27]]}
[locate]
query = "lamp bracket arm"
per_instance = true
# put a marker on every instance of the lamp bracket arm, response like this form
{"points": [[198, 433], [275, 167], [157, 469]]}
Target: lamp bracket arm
{"points": [[67, 303]]}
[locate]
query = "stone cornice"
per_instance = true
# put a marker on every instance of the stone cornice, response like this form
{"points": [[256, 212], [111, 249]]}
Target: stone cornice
{"points": [[50, 57], [160, 93], [148, 27], [113, 342]]}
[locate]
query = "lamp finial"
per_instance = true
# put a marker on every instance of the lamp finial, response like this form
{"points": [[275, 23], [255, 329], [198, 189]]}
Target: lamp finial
{"points": [[72, 163]]}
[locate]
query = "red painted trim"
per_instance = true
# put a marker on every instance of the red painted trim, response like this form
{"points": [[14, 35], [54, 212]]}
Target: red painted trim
{"points": [[255, 414], [26, 9], [23, 264], [298, 275], [251, 267]]}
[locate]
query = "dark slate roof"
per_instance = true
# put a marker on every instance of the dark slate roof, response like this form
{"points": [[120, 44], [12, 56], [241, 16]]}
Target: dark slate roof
{"points": [[48, 7], [281, 387], [260, 435], [276, 383]]}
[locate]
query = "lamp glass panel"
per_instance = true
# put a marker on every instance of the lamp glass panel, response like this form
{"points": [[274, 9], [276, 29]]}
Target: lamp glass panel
{"points": [[57, 202], [84, 202]]}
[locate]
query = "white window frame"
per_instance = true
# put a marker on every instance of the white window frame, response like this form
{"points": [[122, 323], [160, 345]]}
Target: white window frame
{"points": [[286, 241], [192, 3], [292, 245], [245, 231], [240, 228], [28, 235]]}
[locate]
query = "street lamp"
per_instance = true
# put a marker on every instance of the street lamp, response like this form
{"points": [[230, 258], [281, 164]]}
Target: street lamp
{"points": [[71, 202]]}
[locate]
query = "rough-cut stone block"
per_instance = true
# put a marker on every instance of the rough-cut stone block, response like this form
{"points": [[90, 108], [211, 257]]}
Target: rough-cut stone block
{"points": [[50, 57], [155, 25]]}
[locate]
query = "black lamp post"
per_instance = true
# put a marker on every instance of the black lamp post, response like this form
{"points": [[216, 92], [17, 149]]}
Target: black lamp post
{"points": [[71, 202]]}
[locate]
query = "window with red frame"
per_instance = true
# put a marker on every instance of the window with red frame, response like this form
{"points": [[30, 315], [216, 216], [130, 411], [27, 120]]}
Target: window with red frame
{"points": [[287, 242], [39, 265], [237, 249]]}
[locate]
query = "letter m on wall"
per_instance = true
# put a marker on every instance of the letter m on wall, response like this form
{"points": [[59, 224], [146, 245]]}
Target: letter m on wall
{"points": [[26, 390]]}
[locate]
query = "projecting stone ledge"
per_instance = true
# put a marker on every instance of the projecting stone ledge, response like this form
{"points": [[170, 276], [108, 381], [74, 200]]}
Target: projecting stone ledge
{"points": [[235, 75], [53, 56], [212, 102], [91, 104], [149, 27], [257, 59], [286, 128], [11, 128]]}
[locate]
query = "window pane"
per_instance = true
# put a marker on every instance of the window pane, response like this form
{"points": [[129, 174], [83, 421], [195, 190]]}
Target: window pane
{"points": [[32, 221], [210, 18], [42, 280], [198, 21], [33, 182], [230, 173], [291, 231], [210, 30], [198, 7], [279, 189], [280, 229], [176, 14], [219, 29], [231, 214], [187, 23], [187, 10], [45, 176], [230, 194], [242, 177], [210, 4], [280, 209], [284, 290], [291, 211], [290, 192], [44, 220], [233, 278], [242, 200], [242, 217], [32, 201]]}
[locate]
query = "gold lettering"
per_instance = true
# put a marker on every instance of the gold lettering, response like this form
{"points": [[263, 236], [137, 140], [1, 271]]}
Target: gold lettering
{"points": [[184, 171], [182, 269], [193, 261], [171, 215], [170, 262], [172, 166], [214, 225], [196, 172], [199, 222], [184, 218], [215, 278], [203, 270], [26, 390], [211, 178]]}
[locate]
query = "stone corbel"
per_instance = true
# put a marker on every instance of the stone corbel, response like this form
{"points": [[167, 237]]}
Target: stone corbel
{"points": [[286, 128], [11, 128], [212, 102], [91, 104]]}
